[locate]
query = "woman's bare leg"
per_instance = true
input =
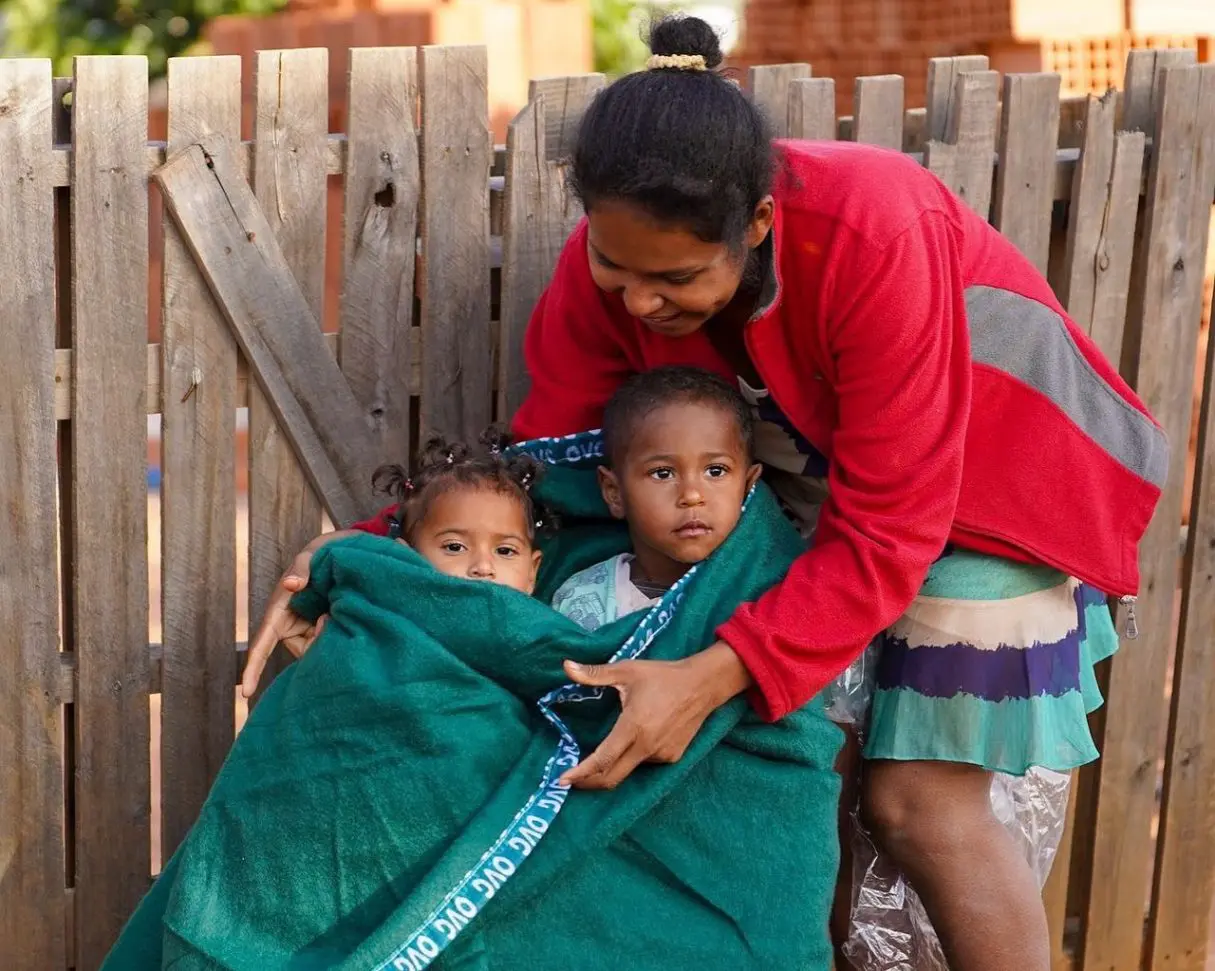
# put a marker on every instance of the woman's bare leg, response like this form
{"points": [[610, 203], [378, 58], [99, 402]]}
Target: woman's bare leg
{"points": [[934, 819]]}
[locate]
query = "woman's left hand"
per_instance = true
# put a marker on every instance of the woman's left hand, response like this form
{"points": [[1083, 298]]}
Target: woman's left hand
{"points": [[663, 704]]}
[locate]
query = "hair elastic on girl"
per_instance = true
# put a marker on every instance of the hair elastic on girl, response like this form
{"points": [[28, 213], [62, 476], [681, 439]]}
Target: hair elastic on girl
{"points": [[451, 459], [677, 62]]}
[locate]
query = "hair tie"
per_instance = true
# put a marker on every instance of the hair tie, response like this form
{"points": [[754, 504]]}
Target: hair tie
{"points": [[525, 480], [408, 485], [451, 460], [676, 62], [495, 449]]}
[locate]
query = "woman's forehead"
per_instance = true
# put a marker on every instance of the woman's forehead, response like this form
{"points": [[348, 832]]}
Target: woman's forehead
{"points": [[634, 240]]}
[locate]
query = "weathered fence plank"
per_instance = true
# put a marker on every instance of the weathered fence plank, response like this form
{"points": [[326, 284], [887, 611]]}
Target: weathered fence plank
{"points": [[235, 249], [31, 794], [108, 504], [879, 111], [565, 99], [383, 193], [943, 103], [965, 156], [198, 479], [1184, 886], [1101, 227], [538, 216], [1025, 179], [811, 112], [1144, 69], [290, 131], [1165, 305], [456, 153], [769, 87]]}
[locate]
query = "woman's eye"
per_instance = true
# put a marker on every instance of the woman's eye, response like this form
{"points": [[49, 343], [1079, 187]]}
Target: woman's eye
{"points": [[453, 547], [661, 474], [716, 471]]}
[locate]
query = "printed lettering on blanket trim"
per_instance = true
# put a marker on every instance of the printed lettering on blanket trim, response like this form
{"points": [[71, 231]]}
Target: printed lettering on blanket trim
{"points": [[516, 842]]}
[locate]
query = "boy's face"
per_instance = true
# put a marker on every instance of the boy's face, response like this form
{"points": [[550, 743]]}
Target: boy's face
{"points": [[478, 534], [680, 485]]}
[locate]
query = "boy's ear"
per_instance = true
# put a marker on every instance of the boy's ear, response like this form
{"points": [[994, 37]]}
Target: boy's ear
{"points": [[753, 475], [609, 485]]}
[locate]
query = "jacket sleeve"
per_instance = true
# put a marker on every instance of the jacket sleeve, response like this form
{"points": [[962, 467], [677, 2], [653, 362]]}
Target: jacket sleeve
{"points": [[377, 525], [900, 347], [573, 350]]}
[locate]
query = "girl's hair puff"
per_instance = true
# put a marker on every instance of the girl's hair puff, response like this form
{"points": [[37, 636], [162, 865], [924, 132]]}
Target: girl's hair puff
{"points": [[442, 465]]}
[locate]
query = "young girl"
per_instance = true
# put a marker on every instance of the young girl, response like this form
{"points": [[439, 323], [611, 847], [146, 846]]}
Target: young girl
{"points": [[468, 510]]}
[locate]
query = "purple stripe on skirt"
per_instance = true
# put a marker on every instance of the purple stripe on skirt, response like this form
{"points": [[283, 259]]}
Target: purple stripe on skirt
{"points": [[993, 675]]}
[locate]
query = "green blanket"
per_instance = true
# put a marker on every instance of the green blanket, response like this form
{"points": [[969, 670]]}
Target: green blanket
{"points": [[392, 801]]}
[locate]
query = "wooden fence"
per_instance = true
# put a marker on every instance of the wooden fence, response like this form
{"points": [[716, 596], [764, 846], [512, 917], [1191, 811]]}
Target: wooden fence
{"points": [[447, 244]]}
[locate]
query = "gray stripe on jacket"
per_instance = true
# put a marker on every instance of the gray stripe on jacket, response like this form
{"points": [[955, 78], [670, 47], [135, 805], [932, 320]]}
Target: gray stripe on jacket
{"points": [[1030, 342]]}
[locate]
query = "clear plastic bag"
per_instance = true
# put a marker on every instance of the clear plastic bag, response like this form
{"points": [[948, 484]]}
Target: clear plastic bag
{"points": [[889, 929], [848, 696]]}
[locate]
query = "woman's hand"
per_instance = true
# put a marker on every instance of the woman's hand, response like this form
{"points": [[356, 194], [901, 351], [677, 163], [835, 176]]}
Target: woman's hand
{"points": [[663, 705], [280, 624]]}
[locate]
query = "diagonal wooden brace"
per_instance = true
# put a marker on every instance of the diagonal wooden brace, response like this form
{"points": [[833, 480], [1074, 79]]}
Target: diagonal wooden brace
{"points": [[237, 254]]}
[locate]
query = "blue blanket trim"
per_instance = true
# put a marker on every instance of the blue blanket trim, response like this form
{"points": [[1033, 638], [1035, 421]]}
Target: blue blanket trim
{"points": [[515, 843]]}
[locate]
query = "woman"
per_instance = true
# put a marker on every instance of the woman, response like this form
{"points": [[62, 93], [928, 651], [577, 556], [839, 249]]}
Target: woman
{"points": [[987, 471]]}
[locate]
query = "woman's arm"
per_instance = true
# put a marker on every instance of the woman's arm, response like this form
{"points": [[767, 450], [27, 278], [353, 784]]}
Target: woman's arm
{"points": [[903, 383]]}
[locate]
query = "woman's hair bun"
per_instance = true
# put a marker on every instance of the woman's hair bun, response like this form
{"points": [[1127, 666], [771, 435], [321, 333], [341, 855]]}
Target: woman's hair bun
{"points": [[681, 34]]}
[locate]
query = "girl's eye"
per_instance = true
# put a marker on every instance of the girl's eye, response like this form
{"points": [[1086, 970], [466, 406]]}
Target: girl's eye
{"points": [[507, 551], [453, 547], [661, 474], [680, 281], [716, 471]]}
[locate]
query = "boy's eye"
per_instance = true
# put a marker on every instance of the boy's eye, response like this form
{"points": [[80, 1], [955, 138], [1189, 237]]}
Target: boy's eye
{"points": [[661, 474], [716, 471], [452, 546]]}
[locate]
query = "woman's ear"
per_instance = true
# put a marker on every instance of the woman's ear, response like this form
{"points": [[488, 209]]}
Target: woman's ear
{"points": [[761, 222], [753, 475], [609, 486]]}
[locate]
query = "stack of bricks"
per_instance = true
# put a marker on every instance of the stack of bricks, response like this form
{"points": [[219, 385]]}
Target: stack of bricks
{"points": [[1085, 41]]}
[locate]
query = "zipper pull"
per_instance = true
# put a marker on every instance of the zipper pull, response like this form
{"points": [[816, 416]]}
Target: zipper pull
{"points": [[1132, 626]]}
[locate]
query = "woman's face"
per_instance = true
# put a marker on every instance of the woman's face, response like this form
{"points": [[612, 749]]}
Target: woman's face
{"points": [[669, 278]]}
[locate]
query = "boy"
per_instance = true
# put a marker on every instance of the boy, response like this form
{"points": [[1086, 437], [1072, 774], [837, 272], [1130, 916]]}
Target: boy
{"points": [[679, 444]]}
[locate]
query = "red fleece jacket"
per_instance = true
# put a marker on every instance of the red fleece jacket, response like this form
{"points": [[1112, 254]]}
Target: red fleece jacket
{"points": [[928, 360]]}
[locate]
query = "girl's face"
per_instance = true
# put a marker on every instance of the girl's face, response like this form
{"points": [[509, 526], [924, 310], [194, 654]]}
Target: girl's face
{"points": [[668, 277], [478, 534]]}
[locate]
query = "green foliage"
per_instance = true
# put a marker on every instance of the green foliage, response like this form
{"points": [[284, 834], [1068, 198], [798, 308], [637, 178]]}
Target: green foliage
{"points": [[158, 29], [617, 30]]}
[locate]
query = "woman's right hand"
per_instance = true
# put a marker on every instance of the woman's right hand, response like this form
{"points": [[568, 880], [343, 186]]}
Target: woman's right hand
{"points": [[280, 624]]}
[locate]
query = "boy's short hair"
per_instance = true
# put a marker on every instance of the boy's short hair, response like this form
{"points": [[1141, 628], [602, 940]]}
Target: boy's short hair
{"points": [[643, 393]]}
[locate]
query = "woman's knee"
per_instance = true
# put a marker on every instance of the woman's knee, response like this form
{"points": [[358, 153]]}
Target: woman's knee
{"points": [[925, 807]]}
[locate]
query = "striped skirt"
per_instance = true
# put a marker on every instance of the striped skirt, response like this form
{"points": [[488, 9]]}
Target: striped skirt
{"points": [[992, 665]]}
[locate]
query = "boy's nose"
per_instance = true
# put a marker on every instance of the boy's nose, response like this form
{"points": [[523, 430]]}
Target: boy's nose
{"points": [[691, 497]]}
